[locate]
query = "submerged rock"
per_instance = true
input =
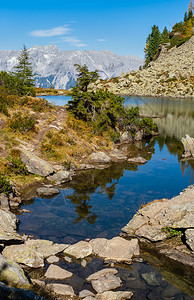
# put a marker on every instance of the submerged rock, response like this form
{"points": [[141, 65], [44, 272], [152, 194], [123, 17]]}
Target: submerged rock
{"points": [[12, 273], [100, 157], [106, 283]]}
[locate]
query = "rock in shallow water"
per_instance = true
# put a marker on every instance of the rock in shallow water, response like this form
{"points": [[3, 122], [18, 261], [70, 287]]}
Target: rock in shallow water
{"points": [[55, 272], [109, 295], [100, 157], [106, 283], [47, 192], [137, 160], [79, 250], [61, 289]]}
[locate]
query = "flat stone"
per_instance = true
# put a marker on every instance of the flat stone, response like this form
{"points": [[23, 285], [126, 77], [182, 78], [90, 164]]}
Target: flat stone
{"points": [[46, 248], [47, 192], [189, 234], [23, 254], [40, 283], [35, 164], [118, 155], [52, 259], [102, 273], [81, 249], [109, 295], [61, 289], [55, 272], [106, 283], [12, 273], [100, 157], [117, 249], [137, 160], [85, 293]]}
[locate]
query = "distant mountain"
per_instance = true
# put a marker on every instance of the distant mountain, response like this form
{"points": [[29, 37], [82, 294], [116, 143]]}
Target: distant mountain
{"points": [[53, 66]]}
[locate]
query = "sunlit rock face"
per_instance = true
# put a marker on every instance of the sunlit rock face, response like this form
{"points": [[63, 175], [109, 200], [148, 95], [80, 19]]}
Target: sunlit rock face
{"points": [[56, 67]]}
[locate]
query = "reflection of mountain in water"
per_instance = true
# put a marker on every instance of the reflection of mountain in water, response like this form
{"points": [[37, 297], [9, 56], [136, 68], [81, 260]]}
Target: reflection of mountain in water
{"points": [[178, 115]]}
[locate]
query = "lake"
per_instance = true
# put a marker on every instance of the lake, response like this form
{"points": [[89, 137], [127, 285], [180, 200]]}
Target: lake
{"points": [[99, 203]]}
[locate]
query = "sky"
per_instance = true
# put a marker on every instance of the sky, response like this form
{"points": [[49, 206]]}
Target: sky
{"points": [[120, 26]]}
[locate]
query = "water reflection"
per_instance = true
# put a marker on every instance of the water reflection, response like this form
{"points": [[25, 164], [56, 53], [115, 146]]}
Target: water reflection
{"points": [[176, 116]]}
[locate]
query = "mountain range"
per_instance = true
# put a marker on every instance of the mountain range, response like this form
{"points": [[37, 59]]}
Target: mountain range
{"points": [[56, 67]]}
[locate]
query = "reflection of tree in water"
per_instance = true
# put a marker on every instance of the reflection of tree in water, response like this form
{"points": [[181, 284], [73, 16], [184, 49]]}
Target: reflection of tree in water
{"points": [[87, 182]]}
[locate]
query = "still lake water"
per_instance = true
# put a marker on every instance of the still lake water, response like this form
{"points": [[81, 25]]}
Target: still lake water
{"points": [[99, 203]]}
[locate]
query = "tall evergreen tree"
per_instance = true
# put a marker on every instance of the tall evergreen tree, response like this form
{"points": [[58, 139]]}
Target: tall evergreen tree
{"points": [[152, 44], [164, 36], [23, 70]]}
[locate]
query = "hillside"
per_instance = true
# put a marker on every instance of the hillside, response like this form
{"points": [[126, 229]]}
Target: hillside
{"points": [[56, 67], [171, 75]]}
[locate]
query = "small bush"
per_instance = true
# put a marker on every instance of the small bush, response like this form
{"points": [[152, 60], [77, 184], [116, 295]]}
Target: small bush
{"points": [[171, 232], [22, 123], [16, 166], [5, 186]]}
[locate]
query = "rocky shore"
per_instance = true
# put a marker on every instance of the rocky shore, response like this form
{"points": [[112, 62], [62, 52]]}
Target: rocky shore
{"points": [[171, 75], [164, 227]]}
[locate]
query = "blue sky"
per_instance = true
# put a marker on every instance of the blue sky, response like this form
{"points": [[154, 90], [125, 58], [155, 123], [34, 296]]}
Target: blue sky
{"points": [[119, 26]]}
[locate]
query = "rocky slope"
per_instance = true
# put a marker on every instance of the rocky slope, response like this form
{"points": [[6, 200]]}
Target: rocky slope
{"points": [[171, 75], [56, 67]]}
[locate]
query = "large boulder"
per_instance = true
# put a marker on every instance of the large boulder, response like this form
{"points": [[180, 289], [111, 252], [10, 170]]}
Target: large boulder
{"points": [[100, 157], [188, 143], [150, 221], [8, 226], [7, 292], [117, 249], [35, 164], [12, 273], [4, 202]]}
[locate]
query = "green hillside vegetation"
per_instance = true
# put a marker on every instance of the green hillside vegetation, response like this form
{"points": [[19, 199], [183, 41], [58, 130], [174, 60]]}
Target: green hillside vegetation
{"points": [[181, 32]]}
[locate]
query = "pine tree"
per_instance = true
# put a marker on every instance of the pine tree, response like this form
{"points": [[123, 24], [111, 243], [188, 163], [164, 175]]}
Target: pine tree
{"points": [[23, 70], [164, 36], [152, 44]]}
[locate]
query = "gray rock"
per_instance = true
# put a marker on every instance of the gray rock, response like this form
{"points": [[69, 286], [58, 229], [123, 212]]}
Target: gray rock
{"points": [[117, 249], [24, 255], [52, 259], [177, 212], [150, 278], [85, 293], [35, 164], [126, 137], [188, 144], [189, 234], [109, 295], [118, 155], [60, 177], [61, 289], [106, 283], [12, 273], [137, 160], [38, 282], [8, 227], [56, 272], [46, 248], [47, 192], [4, 202], [100, 157], [101, 273], [79, 250], [8, 292]]}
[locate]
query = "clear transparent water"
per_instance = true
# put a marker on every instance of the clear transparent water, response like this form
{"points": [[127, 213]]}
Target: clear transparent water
{"points": [[99, 203]]}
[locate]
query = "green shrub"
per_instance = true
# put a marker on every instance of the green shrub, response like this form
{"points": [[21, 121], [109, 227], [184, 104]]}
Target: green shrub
{"points": [[22, 123], [5, 186], [17, 166], [171, 232]]}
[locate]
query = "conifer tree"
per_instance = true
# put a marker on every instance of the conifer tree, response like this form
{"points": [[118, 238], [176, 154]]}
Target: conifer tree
{"points": [[23, 70], [164, 36], [152, 44]]}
